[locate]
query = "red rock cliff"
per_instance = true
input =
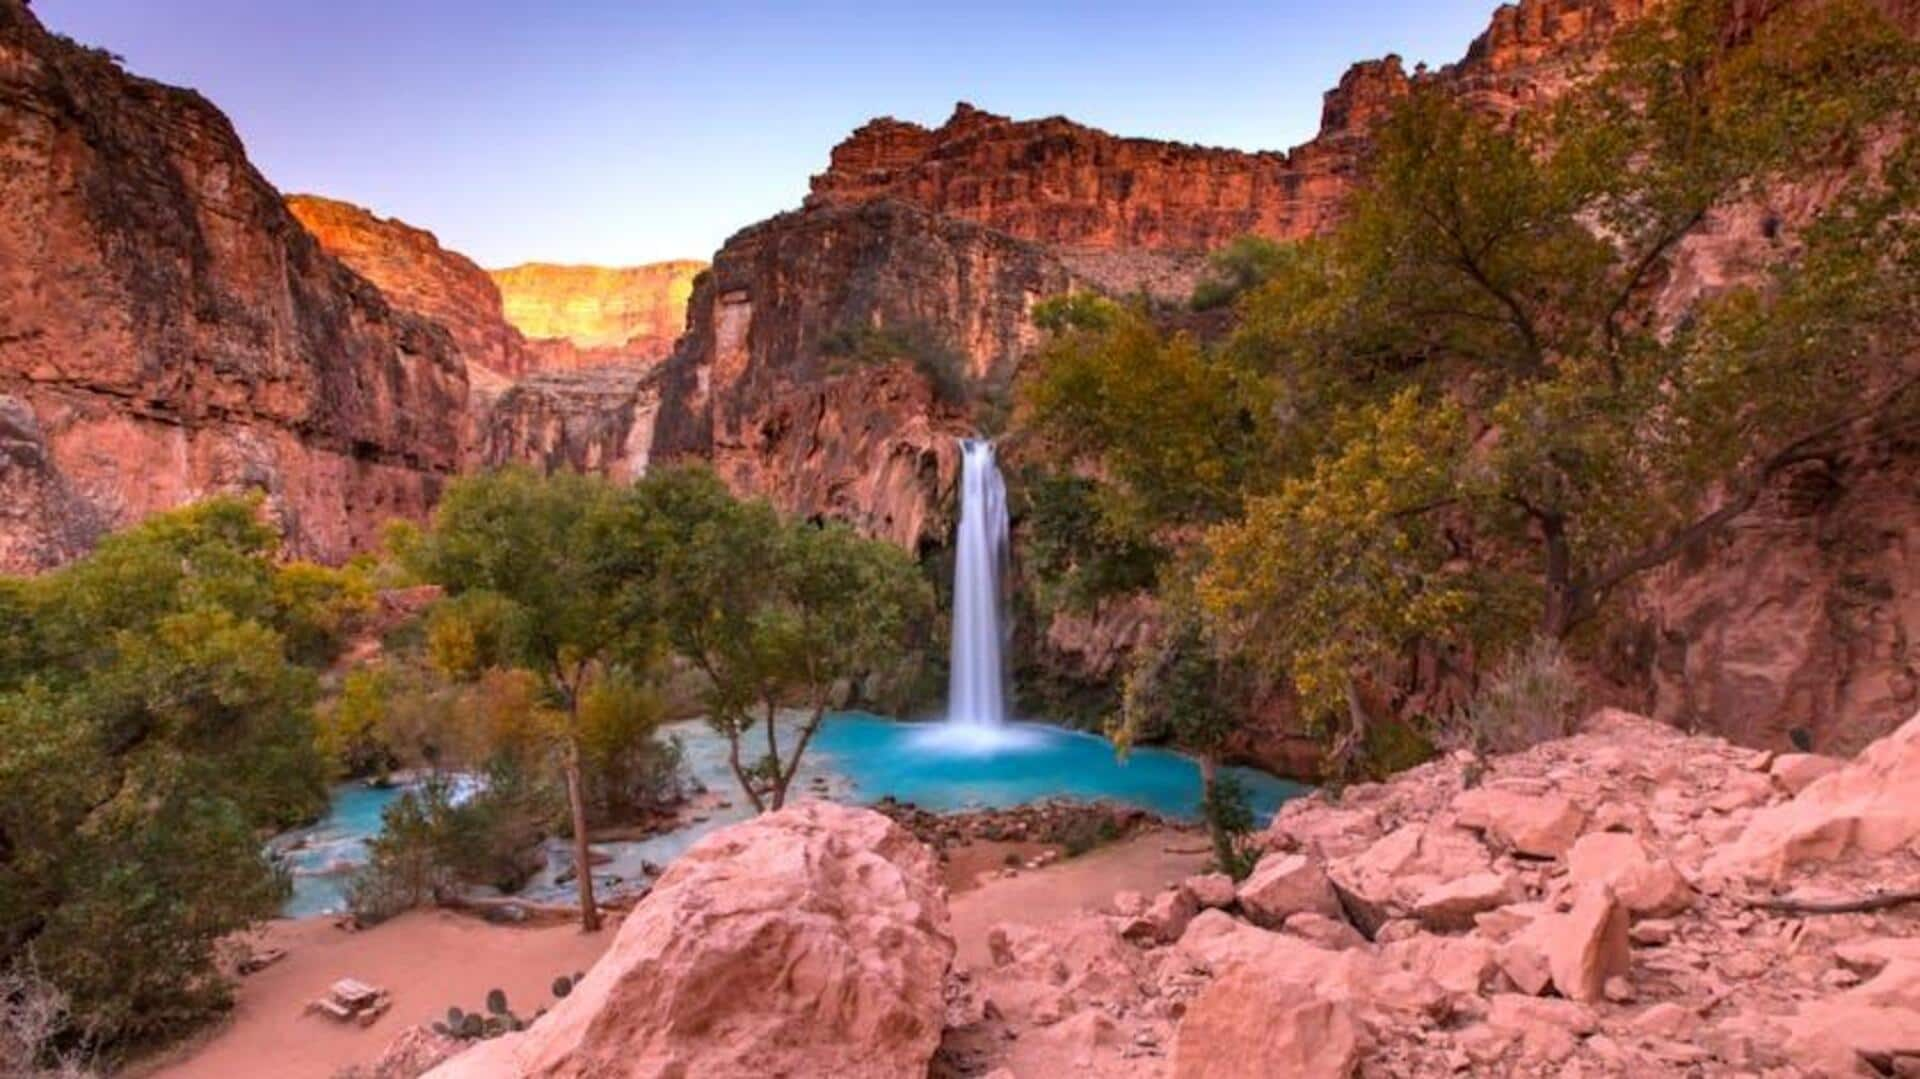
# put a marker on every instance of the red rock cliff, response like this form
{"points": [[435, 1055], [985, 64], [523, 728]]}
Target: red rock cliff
{"points": [[772, 385], [583, 316], [420, 276], [170, 330]]}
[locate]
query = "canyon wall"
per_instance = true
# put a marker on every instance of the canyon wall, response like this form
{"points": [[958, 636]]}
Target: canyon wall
{"points": [[585, 316], [170, 330], [418, 275], [827, 349]]}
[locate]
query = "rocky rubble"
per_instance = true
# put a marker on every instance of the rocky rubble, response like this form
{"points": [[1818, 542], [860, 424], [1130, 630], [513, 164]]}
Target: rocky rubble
{"points": [[1627, 901]]}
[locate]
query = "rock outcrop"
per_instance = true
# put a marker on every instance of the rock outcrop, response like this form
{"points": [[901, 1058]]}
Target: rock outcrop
{"points": [[593, 419], [1601, 961], [420, 276], [170, 330], [825, 350], [587, 316], [811, 941]]}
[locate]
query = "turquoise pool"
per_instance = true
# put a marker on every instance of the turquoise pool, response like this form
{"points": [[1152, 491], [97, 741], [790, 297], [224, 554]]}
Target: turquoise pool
{"points": [[860, 757]]}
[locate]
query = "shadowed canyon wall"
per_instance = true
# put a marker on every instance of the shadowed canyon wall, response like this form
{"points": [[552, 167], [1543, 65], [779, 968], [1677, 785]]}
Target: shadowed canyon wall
{"points": [[170, 330]]}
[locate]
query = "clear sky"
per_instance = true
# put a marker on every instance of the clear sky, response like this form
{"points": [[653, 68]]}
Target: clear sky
{"points": [[623, 132]]}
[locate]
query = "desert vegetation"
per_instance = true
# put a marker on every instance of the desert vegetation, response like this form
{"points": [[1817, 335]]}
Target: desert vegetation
{"points": [[1458, 427]]}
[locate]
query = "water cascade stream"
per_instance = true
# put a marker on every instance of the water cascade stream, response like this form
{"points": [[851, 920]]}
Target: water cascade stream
{"points": [[977, 675]]}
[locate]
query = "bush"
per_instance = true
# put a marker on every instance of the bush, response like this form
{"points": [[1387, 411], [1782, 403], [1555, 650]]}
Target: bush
{"points": [[433, 842], [944, 368], [1230, 822], [36, 1036], [1533, 698]]}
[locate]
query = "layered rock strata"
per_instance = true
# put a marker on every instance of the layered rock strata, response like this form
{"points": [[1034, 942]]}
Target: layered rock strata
{"points": [[825, 348], [586, 316], [420, 276], [170, 330]]}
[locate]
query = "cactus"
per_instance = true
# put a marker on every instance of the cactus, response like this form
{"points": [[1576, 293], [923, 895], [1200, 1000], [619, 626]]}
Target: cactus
{"points": [[497, 1001], [562, 986], [454, 1016], [471, 1027], [441, 1029]]}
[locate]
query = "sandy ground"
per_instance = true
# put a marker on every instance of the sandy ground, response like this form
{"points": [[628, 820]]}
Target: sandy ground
{"points": [[1145, 864], [432, 959], [427, 959]]}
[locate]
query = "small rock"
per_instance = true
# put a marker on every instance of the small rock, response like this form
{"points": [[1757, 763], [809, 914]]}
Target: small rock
{"points": [[1652, 932], [1618, 989], [1210, 890], [1284, 885], [1453, 904], [1331, 933], [1541, 826]]}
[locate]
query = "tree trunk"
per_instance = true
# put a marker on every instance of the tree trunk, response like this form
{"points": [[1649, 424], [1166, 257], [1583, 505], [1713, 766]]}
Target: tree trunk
{"points": [[582, 864], [1216, 830]]}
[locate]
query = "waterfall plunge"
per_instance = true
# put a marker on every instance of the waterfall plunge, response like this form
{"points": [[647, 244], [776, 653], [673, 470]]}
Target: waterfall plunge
{"points": [[977, 677]]}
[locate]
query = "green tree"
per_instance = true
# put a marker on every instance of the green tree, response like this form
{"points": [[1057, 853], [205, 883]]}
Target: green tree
{"points": [[774, 612], [527, 562], [151, 727]]}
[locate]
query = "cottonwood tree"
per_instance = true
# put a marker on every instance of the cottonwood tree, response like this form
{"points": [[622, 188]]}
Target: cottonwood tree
{"points": [[532, 583], [152, 727], [775, 612]]}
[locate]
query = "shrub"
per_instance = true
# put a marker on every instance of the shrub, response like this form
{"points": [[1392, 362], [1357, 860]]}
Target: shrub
{"points": [[1533, 698], [942, 365], [1230, 822]]}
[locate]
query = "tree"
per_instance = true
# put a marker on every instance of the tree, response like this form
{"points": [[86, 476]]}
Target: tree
{"points": [[774, 612], [151, 727], [1477, 410], [527, 562], [1184, 690]]}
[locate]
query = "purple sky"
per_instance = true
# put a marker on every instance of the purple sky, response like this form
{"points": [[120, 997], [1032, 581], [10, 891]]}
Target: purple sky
{"points": [[609, 132]]}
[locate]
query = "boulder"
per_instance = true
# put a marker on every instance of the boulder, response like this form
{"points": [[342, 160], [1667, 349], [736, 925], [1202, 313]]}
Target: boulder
{"points": [[1586, 945], [1537, 825], [1795, 772], [1871, 806], [1459, 965], [811, 941], [1283, 885], [1646, 885], [1210, 890], [1876, 1020], [1330, 933], [1254, 1023], [1386, 881], [1451, 905], [1164, 919]]}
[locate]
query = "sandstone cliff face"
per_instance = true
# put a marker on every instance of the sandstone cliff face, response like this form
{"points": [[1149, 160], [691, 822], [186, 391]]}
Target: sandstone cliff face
{"points": [[582, 316], [1091, 194], [771, 386], [418, 275], [596, 419], [170, 330]]}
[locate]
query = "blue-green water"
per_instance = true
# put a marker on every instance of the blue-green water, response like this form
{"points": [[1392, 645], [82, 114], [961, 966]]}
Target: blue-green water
{"points": [[859, 757], [322, 856], [913, 763]]}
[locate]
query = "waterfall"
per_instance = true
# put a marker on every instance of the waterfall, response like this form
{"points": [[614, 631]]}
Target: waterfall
{"points": [[977, 679]]}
